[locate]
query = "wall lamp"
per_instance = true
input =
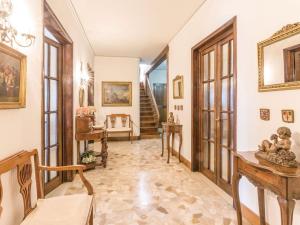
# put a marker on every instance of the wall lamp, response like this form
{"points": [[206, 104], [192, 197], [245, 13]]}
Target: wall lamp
{"points": [[8, 33]]}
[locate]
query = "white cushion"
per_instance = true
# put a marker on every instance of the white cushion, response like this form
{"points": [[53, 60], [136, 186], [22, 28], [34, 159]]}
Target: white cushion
{"points": [[118, 129], [62, 210]]}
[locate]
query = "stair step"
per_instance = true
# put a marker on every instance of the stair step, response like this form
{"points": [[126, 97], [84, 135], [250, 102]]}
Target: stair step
{"points": [[146, 109], [148, 129], [146, 113], [147, 118], [147, 123]]}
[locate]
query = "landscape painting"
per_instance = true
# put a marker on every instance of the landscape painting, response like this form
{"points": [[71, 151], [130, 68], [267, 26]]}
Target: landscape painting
{"points": [[12, 78], [116, 94]]}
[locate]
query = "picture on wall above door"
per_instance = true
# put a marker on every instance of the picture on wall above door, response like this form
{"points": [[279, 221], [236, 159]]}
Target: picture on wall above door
{"points": [[116, 93], [12, 78]]}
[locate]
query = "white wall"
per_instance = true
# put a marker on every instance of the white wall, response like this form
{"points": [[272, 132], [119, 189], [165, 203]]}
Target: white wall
{"points": [[21, 128], [118, 69], [256, 21]]}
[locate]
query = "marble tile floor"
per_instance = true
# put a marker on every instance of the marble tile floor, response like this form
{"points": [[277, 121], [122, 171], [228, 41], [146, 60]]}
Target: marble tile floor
{"points": [[138, 187]]}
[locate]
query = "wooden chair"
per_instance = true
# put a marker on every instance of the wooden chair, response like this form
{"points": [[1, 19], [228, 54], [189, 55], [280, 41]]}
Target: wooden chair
{"points": [[50, 211], [119, 123]]}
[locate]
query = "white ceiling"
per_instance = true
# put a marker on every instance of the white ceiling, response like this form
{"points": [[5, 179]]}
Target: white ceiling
{"points": [[133, 28]]}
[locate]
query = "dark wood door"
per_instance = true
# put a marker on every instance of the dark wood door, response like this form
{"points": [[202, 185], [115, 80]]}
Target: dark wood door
{"points": [[52, 126], [217, 111], [160, 95]]}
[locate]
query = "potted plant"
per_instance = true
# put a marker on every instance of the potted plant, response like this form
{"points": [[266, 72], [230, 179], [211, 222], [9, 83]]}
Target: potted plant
{"points": [[89, 159]]}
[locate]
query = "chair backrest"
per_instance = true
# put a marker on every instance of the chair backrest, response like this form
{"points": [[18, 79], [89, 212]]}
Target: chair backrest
{"points": [[118, 120], [22, 161]]}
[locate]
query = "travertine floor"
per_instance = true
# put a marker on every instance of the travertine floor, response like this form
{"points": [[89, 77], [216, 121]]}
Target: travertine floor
{"points": [[138, 187]]}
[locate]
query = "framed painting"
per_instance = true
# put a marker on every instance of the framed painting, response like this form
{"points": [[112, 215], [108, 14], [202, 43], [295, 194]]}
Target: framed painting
{"points": [[116, 93], [12, 78]]}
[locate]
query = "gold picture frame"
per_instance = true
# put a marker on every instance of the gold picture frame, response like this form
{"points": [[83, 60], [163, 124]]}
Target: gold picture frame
{"points": [[178, 87], [12, 78], [116, 94], [286, 32]]}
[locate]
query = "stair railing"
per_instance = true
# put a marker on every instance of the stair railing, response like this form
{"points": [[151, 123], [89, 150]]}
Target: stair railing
{"points": [[149, 92]]}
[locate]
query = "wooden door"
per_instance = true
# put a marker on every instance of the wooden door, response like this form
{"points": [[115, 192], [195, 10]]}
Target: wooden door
{"points": [[217, 111], [160, 95], [52, 127]]}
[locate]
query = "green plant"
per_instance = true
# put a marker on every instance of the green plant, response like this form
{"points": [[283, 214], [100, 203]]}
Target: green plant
{"points": [[88, 157]]}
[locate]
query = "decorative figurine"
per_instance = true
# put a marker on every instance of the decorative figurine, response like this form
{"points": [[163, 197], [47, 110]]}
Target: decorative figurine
{"points": [[171, 118], [279, 150]]}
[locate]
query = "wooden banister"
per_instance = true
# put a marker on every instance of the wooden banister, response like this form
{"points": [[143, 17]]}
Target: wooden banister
{"points": [[149, 92]]}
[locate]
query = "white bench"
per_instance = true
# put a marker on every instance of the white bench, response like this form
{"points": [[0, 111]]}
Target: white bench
{"points": [[119, 123]]}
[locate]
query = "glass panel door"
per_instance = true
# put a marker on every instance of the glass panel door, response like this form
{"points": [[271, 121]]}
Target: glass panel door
{"points": [[208, 111], [52, 152], [217, 111], [226, 113]]}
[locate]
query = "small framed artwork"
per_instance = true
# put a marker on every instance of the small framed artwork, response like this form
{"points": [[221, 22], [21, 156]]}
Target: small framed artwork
{"points": [[12, 78], [116, 93], [178, 87], [288, 116], [265, 114]]}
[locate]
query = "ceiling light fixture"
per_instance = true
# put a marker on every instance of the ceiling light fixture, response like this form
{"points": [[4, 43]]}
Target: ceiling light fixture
{"points": [[8, 33]]}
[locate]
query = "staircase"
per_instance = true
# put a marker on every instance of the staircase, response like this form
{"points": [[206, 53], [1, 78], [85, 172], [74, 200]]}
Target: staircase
{"points": [[148, 124]]}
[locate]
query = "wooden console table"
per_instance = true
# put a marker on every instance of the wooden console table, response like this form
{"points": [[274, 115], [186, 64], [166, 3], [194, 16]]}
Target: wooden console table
{"points": [[85, 133], [95, 135], [284, 182], [171, 129]]}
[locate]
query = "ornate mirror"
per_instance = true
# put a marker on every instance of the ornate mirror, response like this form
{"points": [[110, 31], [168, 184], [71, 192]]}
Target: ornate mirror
{"points": [[279, 60], [178, 87]]}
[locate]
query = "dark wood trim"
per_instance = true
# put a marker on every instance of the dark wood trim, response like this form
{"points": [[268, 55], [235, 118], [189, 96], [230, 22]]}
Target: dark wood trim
{"points": [[227, 27], [52, 23], [215, 40], [159, 59]]}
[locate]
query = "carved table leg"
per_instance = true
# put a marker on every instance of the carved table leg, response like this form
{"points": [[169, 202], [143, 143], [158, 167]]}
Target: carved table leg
{"points": [[261, 203], [104, 152], [162, 143], [78, 152], [180, 144], [168, 144], [286, 209], [235, 192]]}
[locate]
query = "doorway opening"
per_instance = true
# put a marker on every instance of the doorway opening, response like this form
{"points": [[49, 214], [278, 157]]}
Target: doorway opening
{"points": [[214, 101], [57, 101], [158, 78], [158, 83]]}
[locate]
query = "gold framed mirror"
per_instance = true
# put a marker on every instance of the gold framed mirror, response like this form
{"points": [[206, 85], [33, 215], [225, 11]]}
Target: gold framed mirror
{"points": [[178, 87], [279, 60]]}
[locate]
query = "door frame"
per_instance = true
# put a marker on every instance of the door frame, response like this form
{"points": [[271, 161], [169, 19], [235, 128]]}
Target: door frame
{"points": [[164, 55], [195, 117], [51, 22]]}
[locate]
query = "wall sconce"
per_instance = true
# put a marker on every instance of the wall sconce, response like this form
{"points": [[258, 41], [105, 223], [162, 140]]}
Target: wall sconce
{"points": [[8, 33]]}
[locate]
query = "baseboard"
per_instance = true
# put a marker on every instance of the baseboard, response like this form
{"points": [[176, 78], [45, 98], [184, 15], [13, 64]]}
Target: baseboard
{"points": [[250, 216], [186, 162], [134, 138]]}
